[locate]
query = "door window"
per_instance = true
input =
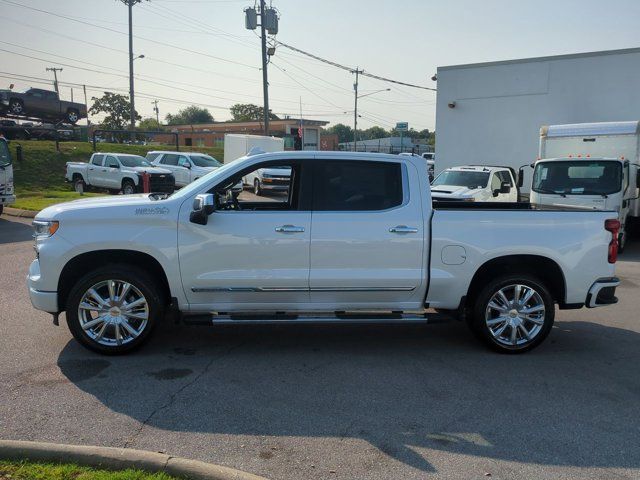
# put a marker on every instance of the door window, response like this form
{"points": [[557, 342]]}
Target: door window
{"points": [[355, 186], [495, 182], [182, 160], [97, 160], [273, 187], [111, 162], [505, 177], [169, 159]]}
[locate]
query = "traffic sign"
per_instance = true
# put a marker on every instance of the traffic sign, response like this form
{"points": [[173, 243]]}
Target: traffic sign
{"points": [[402, 126]]}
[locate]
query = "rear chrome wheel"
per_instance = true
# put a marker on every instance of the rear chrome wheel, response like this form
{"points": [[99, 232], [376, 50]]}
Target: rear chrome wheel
{"points": [[113, 312], [513, 313]]}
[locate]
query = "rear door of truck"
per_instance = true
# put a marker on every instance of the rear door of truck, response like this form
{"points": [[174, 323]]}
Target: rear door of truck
{"points": [[367, 233]]}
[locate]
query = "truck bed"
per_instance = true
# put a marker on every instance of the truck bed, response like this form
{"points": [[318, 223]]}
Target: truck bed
{"points": [[456, 205]]}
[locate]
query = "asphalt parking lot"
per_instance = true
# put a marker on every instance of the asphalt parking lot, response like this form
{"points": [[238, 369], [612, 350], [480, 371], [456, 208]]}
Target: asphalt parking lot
{"points": [[334, 402]]}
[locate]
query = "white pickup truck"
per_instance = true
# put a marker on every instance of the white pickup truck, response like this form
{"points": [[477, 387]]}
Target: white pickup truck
{"points": [[355, 240], [476, 183], [185, 166], [7, 196], [118, 172]]}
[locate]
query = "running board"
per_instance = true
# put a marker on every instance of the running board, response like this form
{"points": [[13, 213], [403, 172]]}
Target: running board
{"points": [[246, 318]]}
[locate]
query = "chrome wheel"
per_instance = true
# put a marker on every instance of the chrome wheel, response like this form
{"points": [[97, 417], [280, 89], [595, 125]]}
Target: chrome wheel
{"points": [[113, 312], [16, 108], [72, 117], [79, 187], [515, 315]]}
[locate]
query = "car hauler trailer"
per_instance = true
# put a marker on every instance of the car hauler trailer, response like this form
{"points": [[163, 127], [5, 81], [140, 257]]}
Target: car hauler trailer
{"points": [[594, 165]]}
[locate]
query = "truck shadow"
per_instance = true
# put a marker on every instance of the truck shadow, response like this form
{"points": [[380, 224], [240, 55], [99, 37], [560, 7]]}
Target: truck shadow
{"points": [[14, 231], [404, 389]]}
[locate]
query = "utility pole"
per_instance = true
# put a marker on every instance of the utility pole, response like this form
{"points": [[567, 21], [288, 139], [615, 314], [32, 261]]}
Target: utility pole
{"points": [[84, 89], [55, 77], [132, 109], [355, 110], [155, 109], [265, 81]]}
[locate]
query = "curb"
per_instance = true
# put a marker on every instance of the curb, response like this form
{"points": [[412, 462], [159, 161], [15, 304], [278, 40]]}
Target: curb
{"points": [[119, 459], [18, 212]]}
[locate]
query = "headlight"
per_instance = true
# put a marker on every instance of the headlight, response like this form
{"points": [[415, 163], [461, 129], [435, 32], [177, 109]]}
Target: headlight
{"points": [[45, 228]]}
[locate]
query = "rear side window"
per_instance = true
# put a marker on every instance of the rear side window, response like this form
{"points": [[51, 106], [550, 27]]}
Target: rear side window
{"points": [[169, 159], [357, 186], [97, 160]]}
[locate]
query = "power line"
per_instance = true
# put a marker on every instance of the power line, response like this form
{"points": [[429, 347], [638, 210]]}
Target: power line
{"points": [[195, 52], [349, 69]]}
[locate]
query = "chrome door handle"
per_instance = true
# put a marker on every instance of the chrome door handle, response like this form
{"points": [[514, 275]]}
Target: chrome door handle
{"points": [[289, 229], [403, 229]]}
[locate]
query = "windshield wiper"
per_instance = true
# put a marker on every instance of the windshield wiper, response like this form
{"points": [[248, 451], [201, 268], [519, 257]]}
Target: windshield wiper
{"points": [[547, 190], [591, 192]]}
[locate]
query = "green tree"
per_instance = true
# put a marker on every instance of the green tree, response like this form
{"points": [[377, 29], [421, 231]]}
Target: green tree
{"points": [[247, 112], [117, 110], [150, 125], [191, 115], [372, 133], [344, 132]]}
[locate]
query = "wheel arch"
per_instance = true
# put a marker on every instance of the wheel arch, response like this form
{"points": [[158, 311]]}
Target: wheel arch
{"points": [[133, 180], [77, 266], [544, 268]]}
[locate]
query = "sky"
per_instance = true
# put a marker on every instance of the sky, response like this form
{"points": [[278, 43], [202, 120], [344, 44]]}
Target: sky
{"points": [[198, 51]]}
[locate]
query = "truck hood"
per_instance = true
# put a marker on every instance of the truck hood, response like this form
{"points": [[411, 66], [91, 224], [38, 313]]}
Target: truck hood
{"points": [[156, 170], [454, 191], [594, 202], [141, 200]]}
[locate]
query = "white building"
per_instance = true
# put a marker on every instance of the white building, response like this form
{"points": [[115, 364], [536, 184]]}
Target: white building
{"points": [[491, 113]]}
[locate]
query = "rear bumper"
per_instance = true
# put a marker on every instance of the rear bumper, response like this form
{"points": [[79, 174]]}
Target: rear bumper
{"points": [[603, 292]]}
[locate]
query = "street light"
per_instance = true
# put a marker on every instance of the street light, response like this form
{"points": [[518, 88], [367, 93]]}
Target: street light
{"points": [[355, 112], [139, 56]]}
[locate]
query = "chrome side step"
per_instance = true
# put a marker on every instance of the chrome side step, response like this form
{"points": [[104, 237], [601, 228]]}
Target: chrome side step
{"points": [[221, 318]]}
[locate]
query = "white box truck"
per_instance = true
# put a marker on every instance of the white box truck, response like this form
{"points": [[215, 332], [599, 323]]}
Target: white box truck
{"points": [[238, 145], [594, 165]]}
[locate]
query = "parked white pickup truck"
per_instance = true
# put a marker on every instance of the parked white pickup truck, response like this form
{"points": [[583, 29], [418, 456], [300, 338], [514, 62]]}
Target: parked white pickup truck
{"points": [[185, 166], [356, 239], [118, 172], [476, 183]]}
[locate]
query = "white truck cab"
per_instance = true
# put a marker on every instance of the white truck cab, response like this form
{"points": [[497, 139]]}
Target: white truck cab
{"points": [[591, 165], [185, 166], [476, 183], [7, 196]]}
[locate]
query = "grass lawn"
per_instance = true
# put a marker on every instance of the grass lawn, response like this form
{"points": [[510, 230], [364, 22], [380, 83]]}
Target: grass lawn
{"points": [[49, 471], [29, 200], [39, 177]]}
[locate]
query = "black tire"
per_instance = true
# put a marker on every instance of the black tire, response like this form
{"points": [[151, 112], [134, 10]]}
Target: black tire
{"points": [[73, 116], [128, 187], [257, 189], [16, 107], [1, 209], [79, 186], [139, 280], [480, 310]]}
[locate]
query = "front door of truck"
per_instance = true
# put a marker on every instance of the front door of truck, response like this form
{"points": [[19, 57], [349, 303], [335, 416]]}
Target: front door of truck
{"points": [[253, 253], [367, 234]]}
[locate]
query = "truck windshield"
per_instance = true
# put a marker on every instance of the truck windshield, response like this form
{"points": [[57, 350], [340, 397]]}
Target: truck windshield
{"points": [[205, 161], [133, 161], [5, 157], [577, 177], [462, 179]]}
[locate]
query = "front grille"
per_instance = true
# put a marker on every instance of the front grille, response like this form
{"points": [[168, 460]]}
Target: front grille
{"points": [[164, 183]]}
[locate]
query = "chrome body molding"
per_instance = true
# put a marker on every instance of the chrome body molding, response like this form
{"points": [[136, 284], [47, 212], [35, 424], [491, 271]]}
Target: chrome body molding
{"points": [[300, 289]]}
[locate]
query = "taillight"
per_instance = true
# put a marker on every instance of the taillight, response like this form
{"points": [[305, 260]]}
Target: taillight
{"points": [[612, 225]]}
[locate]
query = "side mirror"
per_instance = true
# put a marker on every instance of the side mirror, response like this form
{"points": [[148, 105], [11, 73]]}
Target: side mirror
{"points": [[505, 187], [203, 206], [520, 180]]}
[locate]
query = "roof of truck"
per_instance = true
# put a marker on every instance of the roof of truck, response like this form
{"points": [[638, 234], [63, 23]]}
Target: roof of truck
{"points": [[479, 168], [588, 129]]}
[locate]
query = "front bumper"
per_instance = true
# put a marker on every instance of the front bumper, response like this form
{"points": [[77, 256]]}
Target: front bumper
{"points": [[7, 199], [40, 299], [603, 292]]}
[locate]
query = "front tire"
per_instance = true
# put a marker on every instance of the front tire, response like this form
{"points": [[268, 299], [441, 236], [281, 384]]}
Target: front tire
{"points": [[257, 189], [79, 186], [73, 116], [128, 188], [513, 313], [113, 310]]}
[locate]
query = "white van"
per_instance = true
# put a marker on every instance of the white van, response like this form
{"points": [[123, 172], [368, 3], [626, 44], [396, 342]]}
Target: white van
{"points": [[594, 165]]}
